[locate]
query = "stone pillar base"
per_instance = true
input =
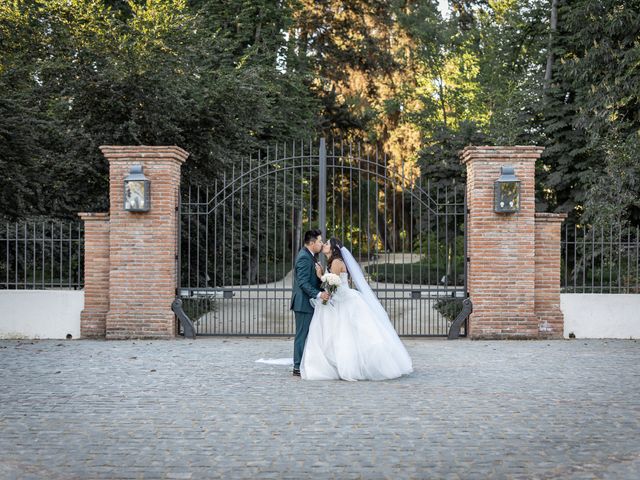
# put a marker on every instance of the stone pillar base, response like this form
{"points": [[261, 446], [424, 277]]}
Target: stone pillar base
{"points": [[520, 328], [121, 326], [92, 324]]}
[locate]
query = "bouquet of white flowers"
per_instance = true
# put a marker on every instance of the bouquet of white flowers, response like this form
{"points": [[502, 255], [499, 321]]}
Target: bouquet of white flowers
{"points": [[330, 282]]}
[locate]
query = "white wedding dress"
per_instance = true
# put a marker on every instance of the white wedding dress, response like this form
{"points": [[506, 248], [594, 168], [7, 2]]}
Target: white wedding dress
{"points": [[351, 338]]}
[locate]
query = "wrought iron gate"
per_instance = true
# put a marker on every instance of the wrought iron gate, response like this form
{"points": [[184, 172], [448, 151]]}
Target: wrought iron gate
{"points": [[239, 238]]}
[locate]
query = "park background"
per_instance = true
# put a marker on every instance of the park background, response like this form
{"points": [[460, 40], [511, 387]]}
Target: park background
{"points": [[417, 79], [405, 85]]}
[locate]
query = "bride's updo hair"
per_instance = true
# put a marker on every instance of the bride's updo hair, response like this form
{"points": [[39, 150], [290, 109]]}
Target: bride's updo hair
{"points": [[335, 245]]}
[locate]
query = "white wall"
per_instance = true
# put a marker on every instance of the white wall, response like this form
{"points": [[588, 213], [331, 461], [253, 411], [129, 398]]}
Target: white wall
{"points": [[598, 315], [40, 313], [56, 313]]}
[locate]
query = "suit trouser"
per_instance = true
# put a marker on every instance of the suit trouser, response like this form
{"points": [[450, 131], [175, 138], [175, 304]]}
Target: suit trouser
{"points": [[303, 320]]}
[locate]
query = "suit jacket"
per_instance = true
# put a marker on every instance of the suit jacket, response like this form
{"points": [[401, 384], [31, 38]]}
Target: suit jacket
{"points": [[306, 284]]}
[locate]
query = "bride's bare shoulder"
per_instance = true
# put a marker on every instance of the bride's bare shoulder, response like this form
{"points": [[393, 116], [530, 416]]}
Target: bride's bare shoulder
{"points": [[338, 266]]}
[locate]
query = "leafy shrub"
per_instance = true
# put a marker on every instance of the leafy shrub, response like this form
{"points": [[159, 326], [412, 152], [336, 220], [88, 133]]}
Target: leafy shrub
{"points": [[449, 307], [416, 273]]}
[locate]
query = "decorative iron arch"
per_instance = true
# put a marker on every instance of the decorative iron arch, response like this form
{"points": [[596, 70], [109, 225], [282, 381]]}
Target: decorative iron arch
{"points": [[240, 235]]}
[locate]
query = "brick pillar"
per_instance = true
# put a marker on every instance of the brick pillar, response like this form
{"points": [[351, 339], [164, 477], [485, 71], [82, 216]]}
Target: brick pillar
{"points": [[501, 274], [96, 274], [547, 292], [143, 245]]}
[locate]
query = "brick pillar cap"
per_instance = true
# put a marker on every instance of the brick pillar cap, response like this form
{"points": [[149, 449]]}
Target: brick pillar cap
{"points": [[551, 217], [500, 153], [89, 216], [132, 152]]}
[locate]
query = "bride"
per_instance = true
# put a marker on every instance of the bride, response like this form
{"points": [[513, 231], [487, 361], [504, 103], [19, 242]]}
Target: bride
{"points": [[351, 337]]}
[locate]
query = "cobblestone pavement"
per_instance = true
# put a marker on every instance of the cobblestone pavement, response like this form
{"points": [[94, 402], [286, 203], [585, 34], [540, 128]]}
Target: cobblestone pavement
{"points": [[204, 409]]}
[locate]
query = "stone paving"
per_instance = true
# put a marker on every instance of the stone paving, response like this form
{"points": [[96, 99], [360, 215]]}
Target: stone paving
{"points": [[204, 409]]}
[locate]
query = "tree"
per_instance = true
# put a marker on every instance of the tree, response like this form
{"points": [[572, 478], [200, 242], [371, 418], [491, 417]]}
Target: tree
{"points": [[593, 108], [83, 73]]}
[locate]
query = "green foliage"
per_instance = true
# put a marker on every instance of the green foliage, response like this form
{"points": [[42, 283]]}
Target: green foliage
{"points": [[420, 273], [434, 249], [592, 111], [448, 307], [79, 74], [197, 307], [440, 160], [614, 196], [224, 78]]}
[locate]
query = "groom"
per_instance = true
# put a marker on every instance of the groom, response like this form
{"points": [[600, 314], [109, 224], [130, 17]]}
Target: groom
{"points": [[306, 285]]}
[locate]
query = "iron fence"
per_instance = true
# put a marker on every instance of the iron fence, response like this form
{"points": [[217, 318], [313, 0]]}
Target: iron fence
{"points": [[600, 259], [43, 254]]}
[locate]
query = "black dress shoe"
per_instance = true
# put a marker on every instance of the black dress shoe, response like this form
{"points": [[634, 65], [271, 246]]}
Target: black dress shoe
{"points": [[296, 372]]}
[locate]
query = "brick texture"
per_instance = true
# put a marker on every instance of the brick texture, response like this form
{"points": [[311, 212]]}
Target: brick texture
{"points": [[143, 245], [96, 275], [547, 261], [501, 274], [130, 263]]}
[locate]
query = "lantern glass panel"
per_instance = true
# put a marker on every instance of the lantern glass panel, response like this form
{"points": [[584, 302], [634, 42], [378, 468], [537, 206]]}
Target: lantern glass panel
{"points": [[134, 198], [508, 197]]}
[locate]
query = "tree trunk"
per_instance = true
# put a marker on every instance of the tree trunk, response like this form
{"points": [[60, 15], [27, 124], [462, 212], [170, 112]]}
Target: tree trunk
{"points": [[256, 37], [552, 34], [297, 221], [443, 104], [382, 232]]}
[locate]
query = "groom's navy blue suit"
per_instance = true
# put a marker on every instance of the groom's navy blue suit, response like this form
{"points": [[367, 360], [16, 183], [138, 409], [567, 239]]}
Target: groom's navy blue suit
{"points": [[306, 285]]}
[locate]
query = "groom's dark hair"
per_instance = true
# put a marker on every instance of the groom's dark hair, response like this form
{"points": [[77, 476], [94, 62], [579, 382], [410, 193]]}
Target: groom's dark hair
{"points": [[310, 236]]}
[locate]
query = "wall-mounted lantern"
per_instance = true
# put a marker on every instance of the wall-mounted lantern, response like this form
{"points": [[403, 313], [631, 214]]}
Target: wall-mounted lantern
{"points": [[137, 196], [507, 191]]}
